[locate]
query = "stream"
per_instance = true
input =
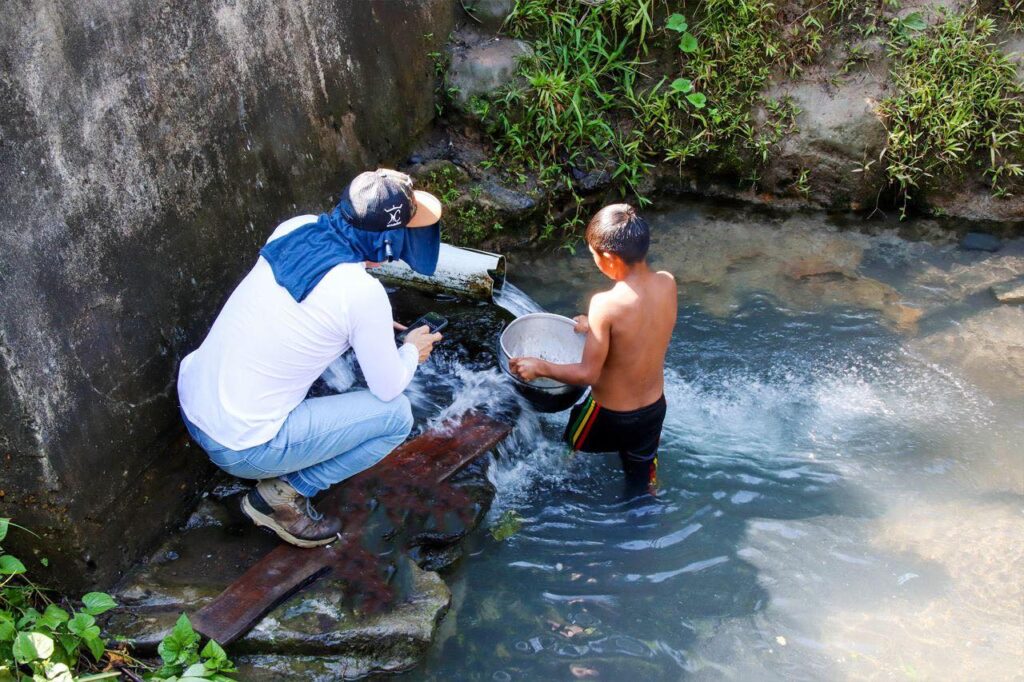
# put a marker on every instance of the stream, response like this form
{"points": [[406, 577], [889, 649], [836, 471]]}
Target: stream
{"points": [[841, 471]]}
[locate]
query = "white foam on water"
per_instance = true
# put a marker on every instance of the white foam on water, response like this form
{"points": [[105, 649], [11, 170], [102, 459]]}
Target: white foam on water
{"points": [[340, 375]]}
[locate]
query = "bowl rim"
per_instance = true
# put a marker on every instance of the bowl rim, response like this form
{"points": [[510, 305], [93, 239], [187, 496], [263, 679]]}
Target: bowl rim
{"points": [[549, 316]]}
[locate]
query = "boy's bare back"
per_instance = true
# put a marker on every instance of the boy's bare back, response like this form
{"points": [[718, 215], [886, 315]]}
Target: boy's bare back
{"points": [[637, 317]]}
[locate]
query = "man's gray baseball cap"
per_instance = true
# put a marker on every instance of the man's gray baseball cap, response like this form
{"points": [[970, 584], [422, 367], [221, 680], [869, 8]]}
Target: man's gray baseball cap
{"points": [[384, 199]]}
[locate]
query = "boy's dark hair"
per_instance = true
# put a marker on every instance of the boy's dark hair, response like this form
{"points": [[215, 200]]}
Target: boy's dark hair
{"points": [[619, 230]]}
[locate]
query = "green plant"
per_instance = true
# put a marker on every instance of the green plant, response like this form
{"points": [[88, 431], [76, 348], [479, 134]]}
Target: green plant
{"points": [[444, 92], [956, 106], [623, 85], [42, 638], [184, 661], [1014, 12], [57, 640], [467, 221], [803, 184]]}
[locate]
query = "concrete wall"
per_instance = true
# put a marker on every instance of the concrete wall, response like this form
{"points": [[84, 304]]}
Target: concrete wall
{"points": [[146, 150]]}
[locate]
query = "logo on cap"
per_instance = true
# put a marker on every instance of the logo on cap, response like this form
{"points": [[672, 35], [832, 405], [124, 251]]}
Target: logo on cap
{"points": [[394, 216]]}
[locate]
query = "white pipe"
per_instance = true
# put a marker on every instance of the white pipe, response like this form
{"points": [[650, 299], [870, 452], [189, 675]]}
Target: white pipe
{"points": [[468, 272]]}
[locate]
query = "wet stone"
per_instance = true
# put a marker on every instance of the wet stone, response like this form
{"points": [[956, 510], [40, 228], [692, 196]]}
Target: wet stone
{"points": [[1009, 292], [979, 241]]}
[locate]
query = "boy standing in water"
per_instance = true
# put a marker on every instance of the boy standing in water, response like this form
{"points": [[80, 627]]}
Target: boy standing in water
{"points": [[628, 329]]}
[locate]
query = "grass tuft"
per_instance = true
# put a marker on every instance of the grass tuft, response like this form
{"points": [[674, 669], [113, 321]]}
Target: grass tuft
{"points": [[957, 106]]}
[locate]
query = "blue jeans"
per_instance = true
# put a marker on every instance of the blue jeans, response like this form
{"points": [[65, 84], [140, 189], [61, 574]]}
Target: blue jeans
{"points": [[323, 441]]}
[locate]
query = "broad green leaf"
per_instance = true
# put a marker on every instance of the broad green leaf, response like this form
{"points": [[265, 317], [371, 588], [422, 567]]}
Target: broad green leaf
{"points": [[70, 644], [52, 617], [83, 625], [676, 22], [213, 651], [98, 602], [688, 43], [10, 565], [195, 670], [697, 99], [4, 525], [183, 630], [32, 646], [216, 659], [179, 646], [96, 646], [915, 22], [58, 672], [28, 618], [683, 85]]}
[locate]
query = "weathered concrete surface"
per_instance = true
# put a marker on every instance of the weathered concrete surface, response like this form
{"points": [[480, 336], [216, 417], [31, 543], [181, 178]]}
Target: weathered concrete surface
{"points": [[146, 149]]}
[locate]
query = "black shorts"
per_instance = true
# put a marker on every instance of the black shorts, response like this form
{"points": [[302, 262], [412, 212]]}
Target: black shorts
{"points": [[635, 435]]}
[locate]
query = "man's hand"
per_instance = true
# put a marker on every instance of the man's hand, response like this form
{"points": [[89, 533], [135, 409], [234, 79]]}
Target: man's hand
{"points": [[399, 327], [528, 369], [582, 324], [423, 340]]}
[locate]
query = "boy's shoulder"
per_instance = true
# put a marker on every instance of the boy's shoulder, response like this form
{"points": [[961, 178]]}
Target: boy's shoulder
{"points": [[665, 276]]}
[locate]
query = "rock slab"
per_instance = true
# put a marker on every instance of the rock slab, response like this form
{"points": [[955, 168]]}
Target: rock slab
{"points": [[1009, 292]]}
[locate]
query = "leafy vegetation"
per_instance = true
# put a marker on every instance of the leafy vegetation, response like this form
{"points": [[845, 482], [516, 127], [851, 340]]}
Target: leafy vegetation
{"points": [[185, 662], [620, 86], [43, 638], [465, 222], [956, 106]]}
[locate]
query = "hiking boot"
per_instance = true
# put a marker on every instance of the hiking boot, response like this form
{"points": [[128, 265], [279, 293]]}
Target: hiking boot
{"points": [[276, 505]]}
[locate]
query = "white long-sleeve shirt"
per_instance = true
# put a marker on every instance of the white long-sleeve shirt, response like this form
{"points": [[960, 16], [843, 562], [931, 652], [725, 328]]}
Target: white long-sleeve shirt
{"points": [[265, 349]]}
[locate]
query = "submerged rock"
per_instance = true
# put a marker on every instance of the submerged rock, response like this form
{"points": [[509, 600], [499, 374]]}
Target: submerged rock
{"points": [[1009, 292], [979, 241]]}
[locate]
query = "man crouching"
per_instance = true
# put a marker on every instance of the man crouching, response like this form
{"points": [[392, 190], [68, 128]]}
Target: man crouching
{"points": [[307, 301]]}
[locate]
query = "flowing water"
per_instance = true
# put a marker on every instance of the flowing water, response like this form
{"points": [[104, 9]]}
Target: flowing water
{"points": [[841, 473]]}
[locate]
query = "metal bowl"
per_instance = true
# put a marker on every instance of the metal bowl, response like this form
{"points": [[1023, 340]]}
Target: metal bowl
{"points": [[548, 337]]}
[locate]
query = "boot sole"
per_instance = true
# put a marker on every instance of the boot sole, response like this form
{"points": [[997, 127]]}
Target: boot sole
{"points": [[264, 521]]}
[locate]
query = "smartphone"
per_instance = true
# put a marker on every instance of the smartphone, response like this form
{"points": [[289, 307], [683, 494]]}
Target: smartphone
{"points": [[434, 321]]}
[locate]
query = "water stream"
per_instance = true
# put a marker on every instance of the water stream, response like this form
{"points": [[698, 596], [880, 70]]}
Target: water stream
{"points": [[841, 481]]}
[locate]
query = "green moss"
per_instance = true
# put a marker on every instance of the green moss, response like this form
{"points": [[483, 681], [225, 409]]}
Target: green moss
{"points": [[467, 222]]}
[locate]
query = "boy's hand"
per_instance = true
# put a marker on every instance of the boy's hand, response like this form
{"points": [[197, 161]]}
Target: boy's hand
{"points": [[528, 369], [582, 324]]}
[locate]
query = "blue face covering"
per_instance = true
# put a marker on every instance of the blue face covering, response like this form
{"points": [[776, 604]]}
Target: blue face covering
{"points": [[301, 258]]}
